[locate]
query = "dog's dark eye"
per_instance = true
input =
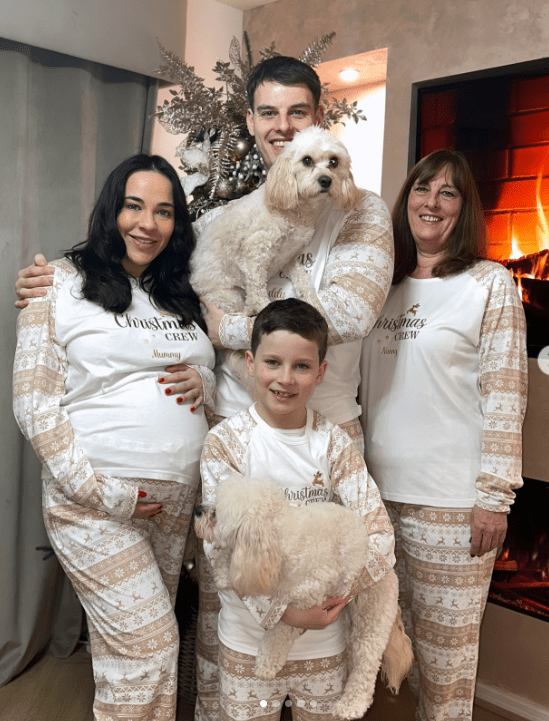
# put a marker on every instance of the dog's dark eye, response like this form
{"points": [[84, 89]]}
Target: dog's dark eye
{"points": [[333, 163], [307, 161]]}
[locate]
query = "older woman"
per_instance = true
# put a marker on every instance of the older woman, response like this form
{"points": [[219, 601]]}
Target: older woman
{"points": [[120, 458], [443, 397]]}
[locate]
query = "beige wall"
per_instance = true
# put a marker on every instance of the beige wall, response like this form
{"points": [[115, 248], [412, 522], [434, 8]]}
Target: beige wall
{"points": [[121, 33], [364, 140], [425, 39]]}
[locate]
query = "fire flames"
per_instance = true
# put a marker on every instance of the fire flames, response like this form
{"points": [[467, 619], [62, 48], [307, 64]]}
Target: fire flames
{"points": [[534, 266]]}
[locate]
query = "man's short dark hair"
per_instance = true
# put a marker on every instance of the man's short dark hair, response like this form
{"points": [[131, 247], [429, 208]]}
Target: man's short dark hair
{"points": [[295, 316], [286, 71]]}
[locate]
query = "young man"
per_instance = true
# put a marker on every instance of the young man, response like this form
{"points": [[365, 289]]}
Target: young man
{"points": [[350, 260], [306, 456]]}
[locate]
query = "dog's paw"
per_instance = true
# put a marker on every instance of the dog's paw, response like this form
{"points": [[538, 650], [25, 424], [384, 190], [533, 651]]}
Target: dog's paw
{"points": [[265, 669], [268, 664], [349, 708]]}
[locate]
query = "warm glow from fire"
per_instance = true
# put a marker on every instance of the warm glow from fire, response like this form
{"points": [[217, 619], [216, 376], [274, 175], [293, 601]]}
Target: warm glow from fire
{"points": [[516, 252], [531, 265], [519, 287], [542, 231]]}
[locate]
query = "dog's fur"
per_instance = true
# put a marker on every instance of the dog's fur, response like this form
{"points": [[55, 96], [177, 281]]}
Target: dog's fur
{"points": [[261, 234], [301, 556]]}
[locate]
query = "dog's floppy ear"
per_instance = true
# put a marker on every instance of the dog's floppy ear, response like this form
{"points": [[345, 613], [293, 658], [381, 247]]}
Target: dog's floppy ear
{"points": [[255, 562], [350, 194], [281, 186]]}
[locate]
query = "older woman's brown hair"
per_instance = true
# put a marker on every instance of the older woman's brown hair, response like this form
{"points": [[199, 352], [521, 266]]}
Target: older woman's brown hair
{"points": [[466, 244]]}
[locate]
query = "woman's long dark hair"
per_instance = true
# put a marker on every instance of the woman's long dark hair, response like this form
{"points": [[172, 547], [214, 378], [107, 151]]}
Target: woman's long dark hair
{"points": [[466, 244], [99, 258]]}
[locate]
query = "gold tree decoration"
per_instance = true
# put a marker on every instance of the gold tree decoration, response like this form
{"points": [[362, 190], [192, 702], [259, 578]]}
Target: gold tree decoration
{"points": [[218, 155]]}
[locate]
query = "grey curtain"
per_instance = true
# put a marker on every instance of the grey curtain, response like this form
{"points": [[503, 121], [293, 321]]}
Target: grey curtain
{"points": [[65, 124]]}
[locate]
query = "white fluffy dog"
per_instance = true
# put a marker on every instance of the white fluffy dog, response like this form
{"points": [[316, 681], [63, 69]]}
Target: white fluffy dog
{"points": [[260, 234], [301, 556]]}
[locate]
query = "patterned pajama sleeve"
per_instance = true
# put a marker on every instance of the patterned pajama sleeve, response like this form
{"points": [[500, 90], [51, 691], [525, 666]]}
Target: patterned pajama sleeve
{"points": [[354, 488], [503, 385], [208, 385], [216, 465], [356, 280], [40, 370]]}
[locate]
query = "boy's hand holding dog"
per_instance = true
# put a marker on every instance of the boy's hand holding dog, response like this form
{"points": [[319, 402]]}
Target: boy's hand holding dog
{"points": [[316, 618]]}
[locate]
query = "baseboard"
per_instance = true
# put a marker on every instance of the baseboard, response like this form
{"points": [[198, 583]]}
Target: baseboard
{"points": [[509, 705]]}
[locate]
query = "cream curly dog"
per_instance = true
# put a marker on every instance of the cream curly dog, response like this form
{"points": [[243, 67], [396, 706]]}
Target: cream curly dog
{"points": [[261, 234], [301, 556]]}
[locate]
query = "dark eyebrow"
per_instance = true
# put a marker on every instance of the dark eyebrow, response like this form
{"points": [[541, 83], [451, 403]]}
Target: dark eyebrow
{"points": [[140, 200], [292, 107]]}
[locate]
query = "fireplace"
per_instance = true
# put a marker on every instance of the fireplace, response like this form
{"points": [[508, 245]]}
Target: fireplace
{"points": [[500, 120]]}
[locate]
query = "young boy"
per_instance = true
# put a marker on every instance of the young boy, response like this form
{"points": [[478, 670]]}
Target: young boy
{"points": [[312, 460]]}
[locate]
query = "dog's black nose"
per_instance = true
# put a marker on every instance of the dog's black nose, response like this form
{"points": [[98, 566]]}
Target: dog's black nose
{"points": [[198, 511], [324, 181]]}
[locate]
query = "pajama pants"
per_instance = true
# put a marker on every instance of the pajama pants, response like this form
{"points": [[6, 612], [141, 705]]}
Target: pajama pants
{"points": [[443, 592], [207, 675], [126, 573], [312, 686]]}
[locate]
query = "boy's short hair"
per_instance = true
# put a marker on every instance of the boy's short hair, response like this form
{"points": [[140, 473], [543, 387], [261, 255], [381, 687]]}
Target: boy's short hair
{"points": [[295, 316], [286, 71]]}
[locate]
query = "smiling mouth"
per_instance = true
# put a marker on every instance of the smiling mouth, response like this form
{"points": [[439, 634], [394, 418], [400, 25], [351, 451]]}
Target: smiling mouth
{"points": [[430, 218], [278, 143], [142, 241], [282, 394]]}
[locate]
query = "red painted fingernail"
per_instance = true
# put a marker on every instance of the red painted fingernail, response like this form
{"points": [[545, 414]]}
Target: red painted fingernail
{"points": [[168, 391], [161, 380], [179, 400], [141, 494], [193, 409]]}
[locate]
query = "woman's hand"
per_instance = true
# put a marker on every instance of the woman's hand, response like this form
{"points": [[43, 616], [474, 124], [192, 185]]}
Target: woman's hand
{"points": [[316, 618], [185, 383], [212, 318], [488, 530], [32, 281], [146, 510]]}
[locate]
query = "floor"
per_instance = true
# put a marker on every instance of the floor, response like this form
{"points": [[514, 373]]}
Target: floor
{"points": [[62, 690]]}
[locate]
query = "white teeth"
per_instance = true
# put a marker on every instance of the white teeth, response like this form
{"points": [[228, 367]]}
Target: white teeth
{"points": [[283, 395], [430, 218]]}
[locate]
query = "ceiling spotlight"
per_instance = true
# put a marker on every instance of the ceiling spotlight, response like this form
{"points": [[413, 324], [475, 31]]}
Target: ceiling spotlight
{"points": [[349, 75]]}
